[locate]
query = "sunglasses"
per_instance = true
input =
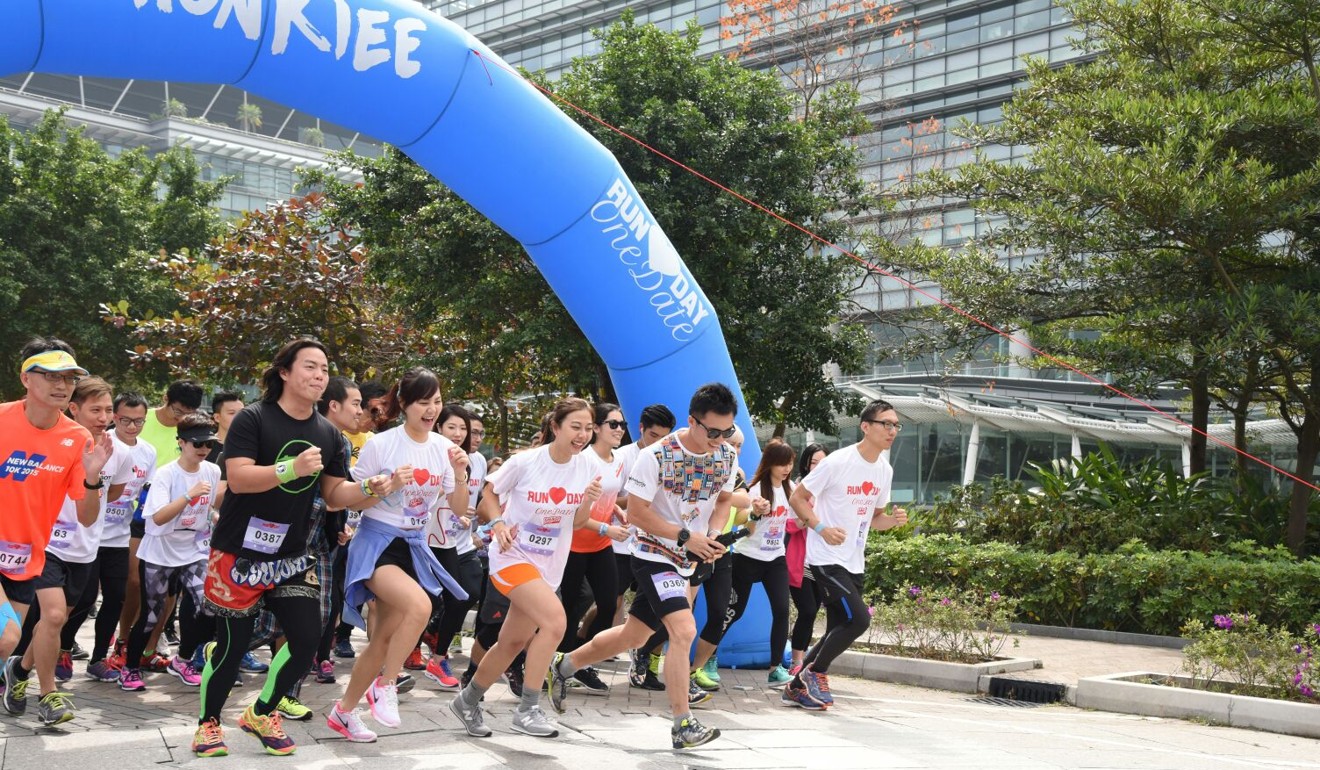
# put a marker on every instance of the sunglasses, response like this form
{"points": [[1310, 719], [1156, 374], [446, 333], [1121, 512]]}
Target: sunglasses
{"points": [[713, 433], [613, 424], [204, 444]]}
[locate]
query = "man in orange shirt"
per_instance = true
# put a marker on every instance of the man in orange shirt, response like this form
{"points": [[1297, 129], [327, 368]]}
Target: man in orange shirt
{"points": [[44, 457]]}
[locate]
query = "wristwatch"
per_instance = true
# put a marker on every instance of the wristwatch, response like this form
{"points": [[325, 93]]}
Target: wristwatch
{"points": [[683, 535], [100, 482], [281, 469]]}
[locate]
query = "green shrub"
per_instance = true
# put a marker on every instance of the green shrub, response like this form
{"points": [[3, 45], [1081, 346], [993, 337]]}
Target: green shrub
{"points": [[965, 626], [1133, 589], [1252, 657]]}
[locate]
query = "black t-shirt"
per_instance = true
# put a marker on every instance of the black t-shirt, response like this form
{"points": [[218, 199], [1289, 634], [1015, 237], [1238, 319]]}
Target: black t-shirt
{"points": [[273, 524]]}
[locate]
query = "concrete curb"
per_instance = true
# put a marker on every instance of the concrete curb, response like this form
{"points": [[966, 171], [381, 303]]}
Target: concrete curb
{"points": [[1127, 694], [934, 674]]}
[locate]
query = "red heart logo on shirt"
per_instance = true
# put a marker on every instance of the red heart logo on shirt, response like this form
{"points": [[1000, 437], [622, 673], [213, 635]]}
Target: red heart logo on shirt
{"points": [[421, 475], [558, 494], [868, 488]]}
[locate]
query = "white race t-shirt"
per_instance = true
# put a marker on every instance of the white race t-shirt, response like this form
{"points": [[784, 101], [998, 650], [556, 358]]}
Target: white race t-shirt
{"points": [[540, 499], [185, 539], [682, 488], [71, 541], [432, 481], [119, 513], [476, 477], [847, 489], [766, 543], [628, 455]]}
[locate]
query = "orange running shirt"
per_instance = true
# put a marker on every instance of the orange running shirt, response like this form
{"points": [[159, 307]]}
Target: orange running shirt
{"points": [[38, 469]]}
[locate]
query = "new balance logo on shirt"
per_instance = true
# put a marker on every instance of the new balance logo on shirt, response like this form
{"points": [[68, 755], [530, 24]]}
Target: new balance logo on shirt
{"points": [[20, 465]]}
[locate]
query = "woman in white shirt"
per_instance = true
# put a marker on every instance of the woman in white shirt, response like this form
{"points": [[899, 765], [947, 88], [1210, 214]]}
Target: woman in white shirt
{"points": [[545, 494], [388, 559]]}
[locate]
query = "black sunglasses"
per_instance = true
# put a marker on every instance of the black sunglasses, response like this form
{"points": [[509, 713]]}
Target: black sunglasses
{"points": [[614, 424], [712, 433], [203, 444]]}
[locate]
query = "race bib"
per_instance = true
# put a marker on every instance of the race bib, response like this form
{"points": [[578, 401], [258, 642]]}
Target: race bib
{"points": [[538, 539], [264, 536], [117, 512], [188, 520], [861, 532], [414, 514], [202, 539], [670, 585], [14, 557], [61, 536], [773, 540]]}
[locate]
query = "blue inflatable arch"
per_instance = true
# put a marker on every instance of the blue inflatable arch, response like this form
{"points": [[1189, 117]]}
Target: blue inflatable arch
{"points": [[398, 72]]}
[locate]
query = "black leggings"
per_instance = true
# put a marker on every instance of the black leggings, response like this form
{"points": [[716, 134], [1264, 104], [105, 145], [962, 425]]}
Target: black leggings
{"points": [[846, 618], [449, 611], [599, 570], [773, 576], [299, 616], [718, 591], [807, 606], [109, 578]]}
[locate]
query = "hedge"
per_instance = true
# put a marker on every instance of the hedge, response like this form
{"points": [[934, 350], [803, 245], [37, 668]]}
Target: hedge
{"points": [[1132, 589]]}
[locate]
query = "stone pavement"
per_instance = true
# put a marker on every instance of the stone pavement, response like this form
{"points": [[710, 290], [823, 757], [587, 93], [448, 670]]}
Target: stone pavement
{"points": [[874, 725]]}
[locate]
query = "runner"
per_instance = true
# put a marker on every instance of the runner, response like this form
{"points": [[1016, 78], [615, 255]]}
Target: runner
{"points": [[173, 554], [357, 437], [73, 543], [449, 535], [759, 558], [278, 454], [591, 557], [388, 559], [678, 498], [109, 574], [224, 406], [851, 489], [804, 599], [539, 490]]}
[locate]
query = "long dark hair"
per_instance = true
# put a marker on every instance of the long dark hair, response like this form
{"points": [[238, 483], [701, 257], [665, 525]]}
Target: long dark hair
{"points": [[272, 384], [454, 410], [775, 454], [418, 383], [804, 460]]}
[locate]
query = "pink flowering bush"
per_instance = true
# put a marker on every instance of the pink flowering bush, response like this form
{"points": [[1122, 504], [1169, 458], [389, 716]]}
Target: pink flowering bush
{"points": [[964, 626], [1240, 654]]}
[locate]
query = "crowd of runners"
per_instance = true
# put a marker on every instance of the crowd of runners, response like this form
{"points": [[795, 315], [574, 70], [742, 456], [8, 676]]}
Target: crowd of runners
{"points": [[276, 528]]}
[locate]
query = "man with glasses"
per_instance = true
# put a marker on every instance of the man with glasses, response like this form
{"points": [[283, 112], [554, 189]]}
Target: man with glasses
{"points": [[182, 397], [679, 490], [110, 570], [850, 489]]}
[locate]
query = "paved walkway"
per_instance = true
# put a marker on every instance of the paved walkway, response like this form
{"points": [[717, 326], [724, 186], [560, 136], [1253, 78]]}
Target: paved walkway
{"points": [[873, 725]]}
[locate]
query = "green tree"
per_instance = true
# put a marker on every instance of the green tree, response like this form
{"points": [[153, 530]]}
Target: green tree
{"points": [[77, 228], [1164, 229], [273, 274]]}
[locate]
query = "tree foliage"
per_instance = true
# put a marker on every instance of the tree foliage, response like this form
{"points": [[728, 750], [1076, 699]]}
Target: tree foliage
{"points": [[1164, 229], [777, 296], [77, 228], [273, 275]]}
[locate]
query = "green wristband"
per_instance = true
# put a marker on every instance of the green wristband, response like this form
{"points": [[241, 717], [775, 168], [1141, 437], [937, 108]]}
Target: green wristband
{"points": [[284, 472]]}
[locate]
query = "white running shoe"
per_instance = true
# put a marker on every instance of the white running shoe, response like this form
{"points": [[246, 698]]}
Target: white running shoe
{"points": [[384, 702], [349, 725]]}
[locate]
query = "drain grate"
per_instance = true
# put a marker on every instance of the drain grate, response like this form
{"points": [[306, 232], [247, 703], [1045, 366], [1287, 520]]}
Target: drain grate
{"points": [[1025, 690], [1007, 702]]}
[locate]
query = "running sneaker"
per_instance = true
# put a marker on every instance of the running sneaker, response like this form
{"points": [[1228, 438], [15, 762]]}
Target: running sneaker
{"points": [[470, 672], [405, 683], [155, 663], [557, 683], [690, 733], [183, 671], [250, 664], [534, 722], [700, 679], [79, 652], [209, 740], [696, 695], [651, 681], [100, 671], [778, 677], [344, 649], [200, 655], [589, 682], [269, 729], [636, 671], [64, 666], [292, 708], [796, 697], [472, 718], [325, 673], [384, 702], [117, 659], [414, 660], [712, 669], [795, 669], [812, 683], [432, 642], [55, 708], [171, 634], [130, 680], [349, 725], [15, 699], [456, 645], [438, 671], [513, 676]]}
